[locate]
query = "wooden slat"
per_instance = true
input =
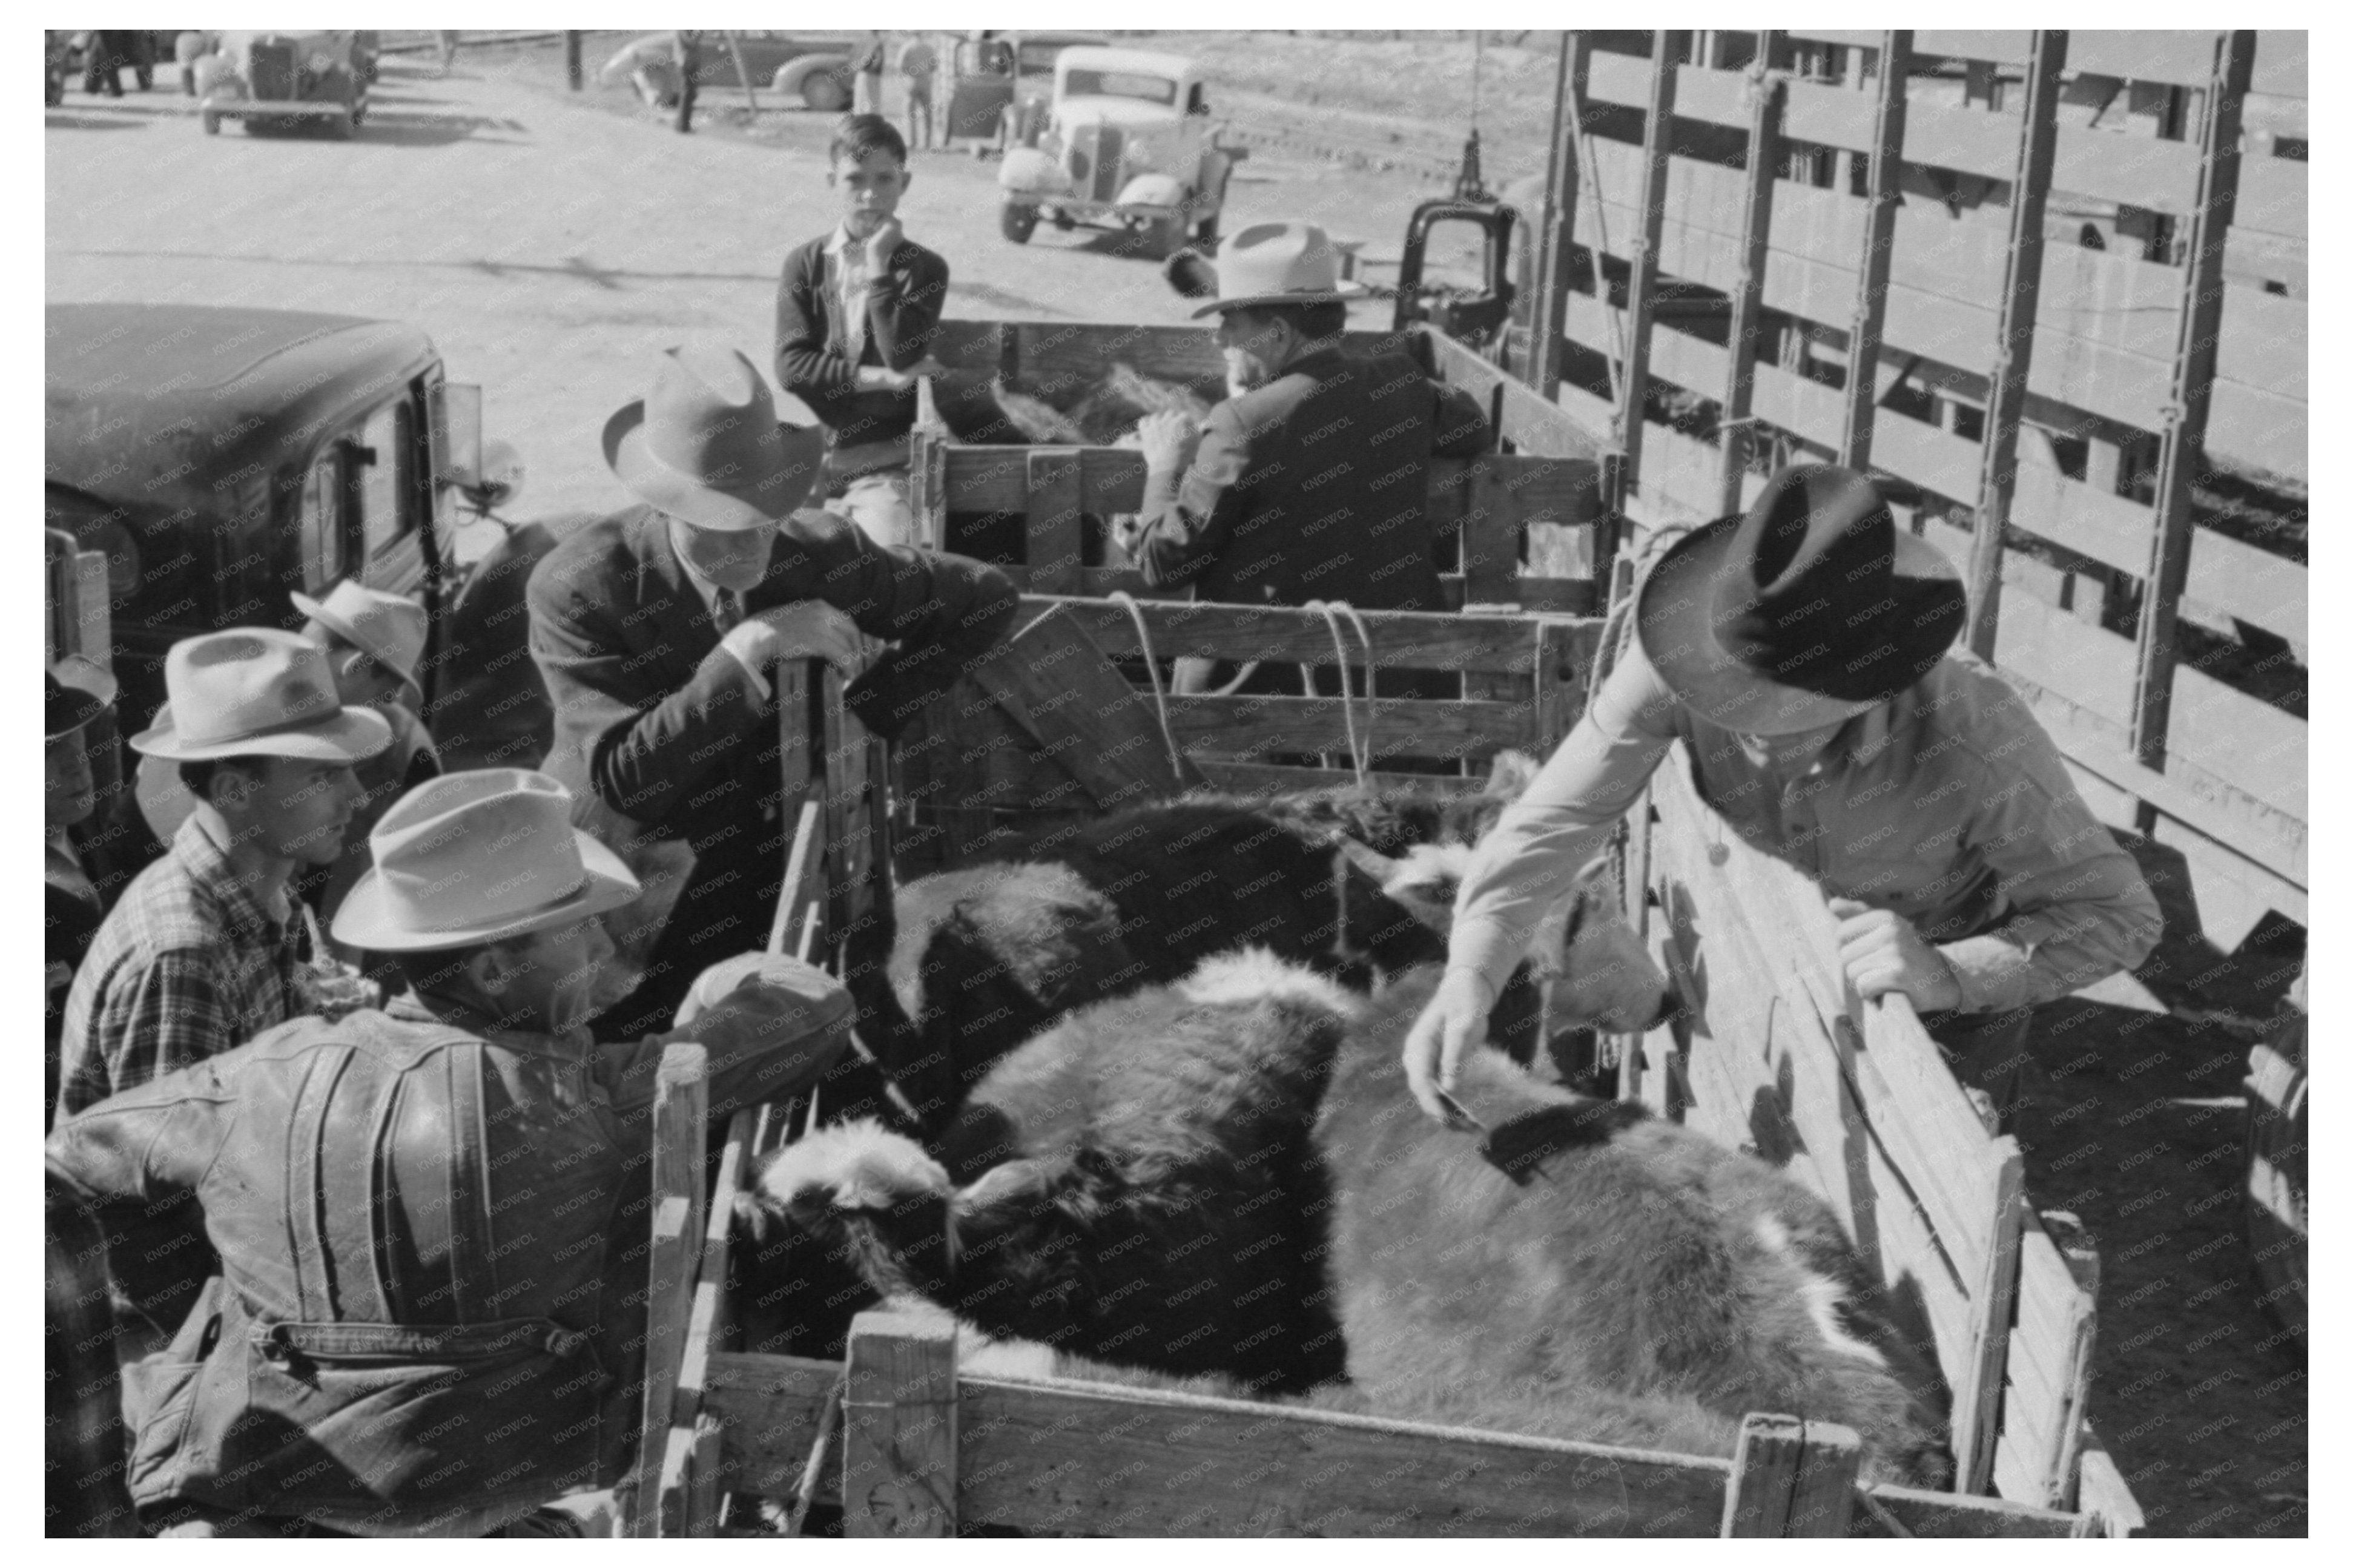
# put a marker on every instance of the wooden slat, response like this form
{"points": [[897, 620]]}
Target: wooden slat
{"points": [[1055, 682], [2280, 62], [2257, 429], [689, 1495], [1531, 424], [1766, 96], [1852, 37], [1626, 426], [2268, 590], [1790, 1479], [1404, 639], [1557, 221], [1053, 534], [2143, 54], [1089, 1458], [1265, 778], [1976, 1395], [2242, 740], [2002, 48], [681, 1104], [1253, 726], [768, 1407], [1552, 595], [1944, 1516], [2054, 649], [2274, 197], [900, 1411]]}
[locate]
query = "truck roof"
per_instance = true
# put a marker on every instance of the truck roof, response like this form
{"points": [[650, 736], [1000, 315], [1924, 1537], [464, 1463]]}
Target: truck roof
{"points": [[150, 405], [1147, 62]]}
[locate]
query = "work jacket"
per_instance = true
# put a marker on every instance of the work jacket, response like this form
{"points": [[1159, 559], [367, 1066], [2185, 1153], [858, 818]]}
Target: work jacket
{"points": [[431, 1303]]}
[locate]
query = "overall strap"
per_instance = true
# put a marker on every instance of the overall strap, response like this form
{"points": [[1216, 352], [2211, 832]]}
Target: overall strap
{"points": [[472, 1272]]}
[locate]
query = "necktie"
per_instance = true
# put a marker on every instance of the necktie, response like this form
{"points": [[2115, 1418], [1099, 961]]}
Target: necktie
{"points": [[727, 611], [854, 301]]}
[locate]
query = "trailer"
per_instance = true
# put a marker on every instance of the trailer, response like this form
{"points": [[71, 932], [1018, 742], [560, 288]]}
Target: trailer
{"points": [[1070, 717]]}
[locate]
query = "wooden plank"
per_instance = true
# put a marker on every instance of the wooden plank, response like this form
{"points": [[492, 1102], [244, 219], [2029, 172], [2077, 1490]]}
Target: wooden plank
{"points": [[1265, 778], [1054, 537], [693, 1436], [1533, 426], [2009, 48], [2062, 1238], [2241, 739], [1977, 1395], [2192, 395], [1058, 686], [1405, 639], [2106, 1504], [1490, 521], [1400, 727], [1790, 1479], [2183, 58], [1558, 219], [2014, 337], [681, 1105], [768, 1408], [1766, 93], [1090, 1458], [1943, 1515], [2274, 197], [899, 1426], [2260, 429], [2053, 649], [1626, 426], [2280, 62], [1863, 341]]}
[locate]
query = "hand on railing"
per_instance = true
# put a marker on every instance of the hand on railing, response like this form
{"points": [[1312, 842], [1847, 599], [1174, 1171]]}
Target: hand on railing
{"points": [[1883, 952]]}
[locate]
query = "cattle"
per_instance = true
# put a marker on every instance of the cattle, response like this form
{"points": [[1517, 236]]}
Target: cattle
{"points": [[974, 962], [1227, 1177]]}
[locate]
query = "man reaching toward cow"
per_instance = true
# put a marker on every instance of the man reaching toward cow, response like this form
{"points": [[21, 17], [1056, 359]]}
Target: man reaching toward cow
{"points": [[1800, 653]]}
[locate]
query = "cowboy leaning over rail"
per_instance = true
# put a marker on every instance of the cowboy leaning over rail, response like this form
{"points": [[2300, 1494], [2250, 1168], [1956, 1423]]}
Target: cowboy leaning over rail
{"points": [[1799, 654], [428, 1319]]}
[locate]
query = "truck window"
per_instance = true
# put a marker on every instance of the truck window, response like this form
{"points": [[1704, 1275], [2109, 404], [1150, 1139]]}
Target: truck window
{"points": [[322, 523], [386, 455]]}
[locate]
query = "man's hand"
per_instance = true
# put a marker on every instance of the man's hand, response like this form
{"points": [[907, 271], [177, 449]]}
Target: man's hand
{"points": [[882, 244], [872, 377], [808, 629], [1168, 439], [1882, 953], [1454, 1023]]}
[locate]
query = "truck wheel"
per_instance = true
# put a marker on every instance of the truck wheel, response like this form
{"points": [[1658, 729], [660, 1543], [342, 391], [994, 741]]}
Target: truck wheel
{"points": [[2277, 1196], [212, 123], [1017, 223], [1206, 231]]}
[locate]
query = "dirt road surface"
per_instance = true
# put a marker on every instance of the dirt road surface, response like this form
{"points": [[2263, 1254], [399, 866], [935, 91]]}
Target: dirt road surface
{"points": [[552, 243]]}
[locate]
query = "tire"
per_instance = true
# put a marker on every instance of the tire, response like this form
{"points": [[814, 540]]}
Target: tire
{"points": [[1017, 223], [2278, 1199], [823, 91], [212, 123], [146, 78]]}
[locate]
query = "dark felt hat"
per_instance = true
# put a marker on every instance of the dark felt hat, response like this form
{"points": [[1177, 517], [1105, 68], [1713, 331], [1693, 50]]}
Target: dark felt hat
{"points": [[1811, 607]]}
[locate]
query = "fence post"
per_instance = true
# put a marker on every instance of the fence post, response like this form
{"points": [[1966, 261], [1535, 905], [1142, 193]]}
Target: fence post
{"points": [[1658, 133], [899, 1426], [1548, 342], [2013, 354], [1790, 1479], [1879, 242], [2184, 441], [1766, 90], [681, 1104]]}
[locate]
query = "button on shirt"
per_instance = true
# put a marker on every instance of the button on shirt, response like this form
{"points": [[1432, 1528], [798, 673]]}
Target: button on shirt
{"points": [[1948, 805], [189, 964]]}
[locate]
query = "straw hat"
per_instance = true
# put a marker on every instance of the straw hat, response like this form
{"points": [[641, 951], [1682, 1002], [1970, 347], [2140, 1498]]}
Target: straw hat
{"points": [[1277, 264], [257, 692], [1808, 609], [389, 627], [479, 856], [704, 444]]}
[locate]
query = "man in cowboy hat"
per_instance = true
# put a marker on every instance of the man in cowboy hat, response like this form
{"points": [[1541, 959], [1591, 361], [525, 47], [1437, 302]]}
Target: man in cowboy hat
{"points": [[1799, 652], [1309, 482], [656, 628], [374, 641], [429, 1317]]}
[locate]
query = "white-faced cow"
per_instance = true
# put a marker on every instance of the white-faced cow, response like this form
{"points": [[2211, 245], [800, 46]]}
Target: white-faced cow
{"points": [[1227, 1176]]}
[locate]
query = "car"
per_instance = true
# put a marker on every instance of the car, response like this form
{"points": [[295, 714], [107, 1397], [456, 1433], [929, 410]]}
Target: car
{"points": [[1129, 145], [1003, 83], [272, 80], [812, 66]]}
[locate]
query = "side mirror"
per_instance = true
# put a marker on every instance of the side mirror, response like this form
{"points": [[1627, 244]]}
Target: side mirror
{"points": [[454, 412]]}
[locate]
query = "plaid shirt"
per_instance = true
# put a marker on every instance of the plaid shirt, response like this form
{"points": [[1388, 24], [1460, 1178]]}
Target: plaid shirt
{"points": [[188, 966]]}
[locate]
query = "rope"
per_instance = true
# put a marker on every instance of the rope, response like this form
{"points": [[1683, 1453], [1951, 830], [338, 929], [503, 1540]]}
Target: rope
{"points": [[1177, 759], [1360, 747]]}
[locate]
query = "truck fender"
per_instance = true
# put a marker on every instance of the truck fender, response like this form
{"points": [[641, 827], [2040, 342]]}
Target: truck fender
{"points": [[1031, 173], [790, 75], [1153, 191]]}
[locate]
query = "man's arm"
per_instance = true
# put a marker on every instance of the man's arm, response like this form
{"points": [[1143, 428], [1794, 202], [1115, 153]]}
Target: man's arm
{"points": [[806, 363], [147, 1145], [1190, 513], [167, 1013], [938, 611], [641, 750], [2081, 909]]}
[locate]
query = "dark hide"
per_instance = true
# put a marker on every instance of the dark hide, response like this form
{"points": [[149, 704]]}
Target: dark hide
{"points": [[976, 960]]}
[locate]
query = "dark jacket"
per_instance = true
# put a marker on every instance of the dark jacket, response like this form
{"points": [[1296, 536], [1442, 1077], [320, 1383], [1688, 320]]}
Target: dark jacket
{"points": [[656, 726], [431, 1236], [1312, 487], [813, 360]]}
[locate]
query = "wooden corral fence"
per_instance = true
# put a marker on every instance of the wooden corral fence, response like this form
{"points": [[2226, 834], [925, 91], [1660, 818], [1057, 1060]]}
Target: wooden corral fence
{"points": [[1522, 526], [904, 1444], [1775, 1054], [2041, 282]]}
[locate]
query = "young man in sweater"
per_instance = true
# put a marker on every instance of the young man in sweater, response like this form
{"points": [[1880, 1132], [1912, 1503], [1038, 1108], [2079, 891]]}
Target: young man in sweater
{"points": [[855, 314]]}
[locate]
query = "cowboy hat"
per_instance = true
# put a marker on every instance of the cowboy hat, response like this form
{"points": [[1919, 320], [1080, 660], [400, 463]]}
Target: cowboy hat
{"points": [[74, 691], [479, 856], [1809, 608], [257, 691], [704, 445], [389, 627], [1267, 263]]}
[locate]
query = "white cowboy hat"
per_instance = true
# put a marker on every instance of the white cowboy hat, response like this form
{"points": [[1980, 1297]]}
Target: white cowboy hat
{"points": [[1278, 264], [389, 627], [703, 445], [479, 856], [257, 691]]}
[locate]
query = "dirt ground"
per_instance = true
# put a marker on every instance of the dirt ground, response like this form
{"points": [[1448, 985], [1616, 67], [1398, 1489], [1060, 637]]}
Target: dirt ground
{"points": [[552, 243]]}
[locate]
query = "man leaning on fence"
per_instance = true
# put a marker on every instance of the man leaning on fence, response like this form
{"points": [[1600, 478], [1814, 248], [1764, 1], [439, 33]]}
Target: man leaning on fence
{"points": [[429, 1315], [1801, 653]]}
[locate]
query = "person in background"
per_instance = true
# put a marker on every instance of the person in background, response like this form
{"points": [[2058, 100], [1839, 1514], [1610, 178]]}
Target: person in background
{"points": [[72, 912], [920, 63], [428, 1319], [445, 43], [687, 47], [1800, 653], [866, 75], [857, 311], [374, 642]]}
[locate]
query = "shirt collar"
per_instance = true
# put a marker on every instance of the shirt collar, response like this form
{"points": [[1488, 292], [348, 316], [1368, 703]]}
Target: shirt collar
{"points": [[838, 243], [205, 860], [704, 586]]}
